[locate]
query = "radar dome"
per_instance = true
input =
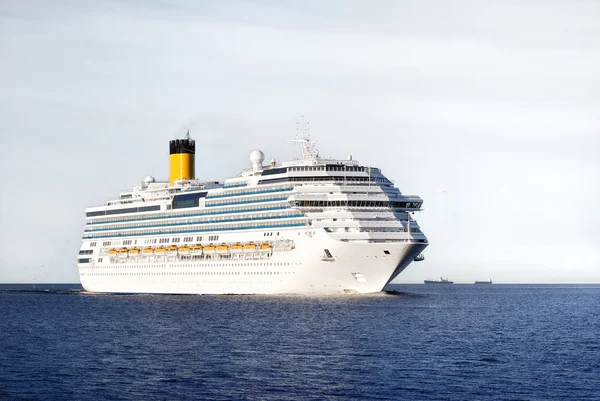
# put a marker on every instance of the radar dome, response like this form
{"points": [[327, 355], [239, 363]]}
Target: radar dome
{"points": [[256, 158], [148, 180]]}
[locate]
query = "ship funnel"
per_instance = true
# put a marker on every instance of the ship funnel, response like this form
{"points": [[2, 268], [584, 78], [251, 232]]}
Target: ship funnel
{"points": [[181, 159]]}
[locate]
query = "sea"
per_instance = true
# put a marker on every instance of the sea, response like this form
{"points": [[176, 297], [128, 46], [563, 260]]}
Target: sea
{"points": [[414, 342]]}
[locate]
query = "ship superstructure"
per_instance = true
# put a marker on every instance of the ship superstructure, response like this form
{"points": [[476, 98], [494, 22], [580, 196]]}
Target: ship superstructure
{"points": [[308, 225]]}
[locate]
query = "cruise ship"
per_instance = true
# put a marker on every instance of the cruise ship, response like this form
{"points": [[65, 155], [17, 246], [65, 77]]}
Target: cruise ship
{"points": [[309, 225]]}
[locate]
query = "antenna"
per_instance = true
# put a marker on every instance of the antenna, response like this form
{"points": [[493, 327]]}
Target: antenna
{"points": [[309, 148], [303, 127]]}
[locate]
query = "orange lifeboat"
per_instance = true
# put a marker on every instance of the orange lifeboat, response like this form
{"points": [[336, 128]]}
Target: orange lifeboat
{"points": [[122, 253], [196, 249], [222, 249], [250, 247], [237, 248]]}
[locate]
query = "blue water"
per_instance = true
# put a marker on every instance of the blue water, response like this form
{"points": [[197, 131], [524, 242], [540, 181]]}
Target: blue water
{"points": [[429, 342]]}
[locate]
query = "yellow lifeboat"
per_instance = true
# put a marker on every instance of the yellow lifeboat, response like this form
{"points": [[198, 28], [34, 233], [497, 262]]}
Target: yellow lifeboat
{"points": [[160, 250], [122, 253], [250, 247], [266, 247], [196, 249], [221, 249], [134, 251], [148, 251], [112, 252], [237, 248], [183, 250], [209, 249], [171, 250]]}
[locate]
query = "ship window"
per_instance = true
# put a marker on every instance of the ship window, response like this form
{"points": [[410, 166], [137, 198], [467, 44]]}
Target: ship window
{"points": [[386, 252], [93, 243], [92, 214], [148, 208], [275, 171], [85, 260], [120, 211], [188, 200]]}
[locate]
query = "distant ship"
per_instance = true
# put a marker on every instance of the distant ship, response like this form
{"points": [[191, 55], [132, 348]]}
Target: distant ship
{"points": [[488, 281], [440, 281]]}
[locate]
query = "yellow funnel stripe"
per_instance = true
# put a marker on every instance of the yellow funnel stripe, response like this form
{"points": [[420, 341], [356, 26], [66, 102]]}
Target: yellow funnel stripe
{"points": [[181, 167]]}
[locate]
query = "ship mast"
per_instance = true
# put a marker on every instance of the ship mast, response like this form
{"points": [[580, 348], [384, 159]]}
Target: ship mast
{"points": [[309, 148]]}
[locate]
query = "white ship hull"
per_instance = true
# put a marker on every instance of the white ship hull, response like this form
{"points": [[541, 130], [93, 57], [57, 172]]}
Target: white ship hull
{"points": [[354, 267], [310, 225]]}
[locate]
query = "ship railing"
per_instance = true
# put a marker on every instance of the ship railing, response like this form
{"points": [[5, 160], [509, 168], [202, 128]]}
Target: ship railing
{"points": [[372, 234]]}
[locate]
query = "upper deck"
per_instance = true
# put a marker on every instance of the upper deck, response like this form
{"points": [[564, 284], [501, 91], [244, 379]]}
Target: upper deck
{"points": [[347, 181]]}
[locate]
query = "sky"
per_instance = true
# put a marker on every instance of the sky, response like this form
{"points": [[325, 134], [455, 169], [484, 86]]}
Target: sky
{"points": [[487, 110]]}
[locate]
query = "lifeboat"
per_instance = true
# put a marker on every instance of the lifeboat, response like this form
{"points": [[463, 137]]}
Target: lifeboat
{"points": [[266, 247], [160, 250], [237, 248], [148, 251], [196, 249], [122, 253], [171, 250], [221, 249], [250, 247], [112, 252], [209, 249], [134, 252], [183, 250]]}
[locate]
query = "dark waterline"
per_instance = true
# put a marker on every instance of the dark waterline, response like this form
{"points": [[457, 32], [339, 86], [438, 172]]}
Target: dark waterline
{"points": [[41, 287], [420, 342]]}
